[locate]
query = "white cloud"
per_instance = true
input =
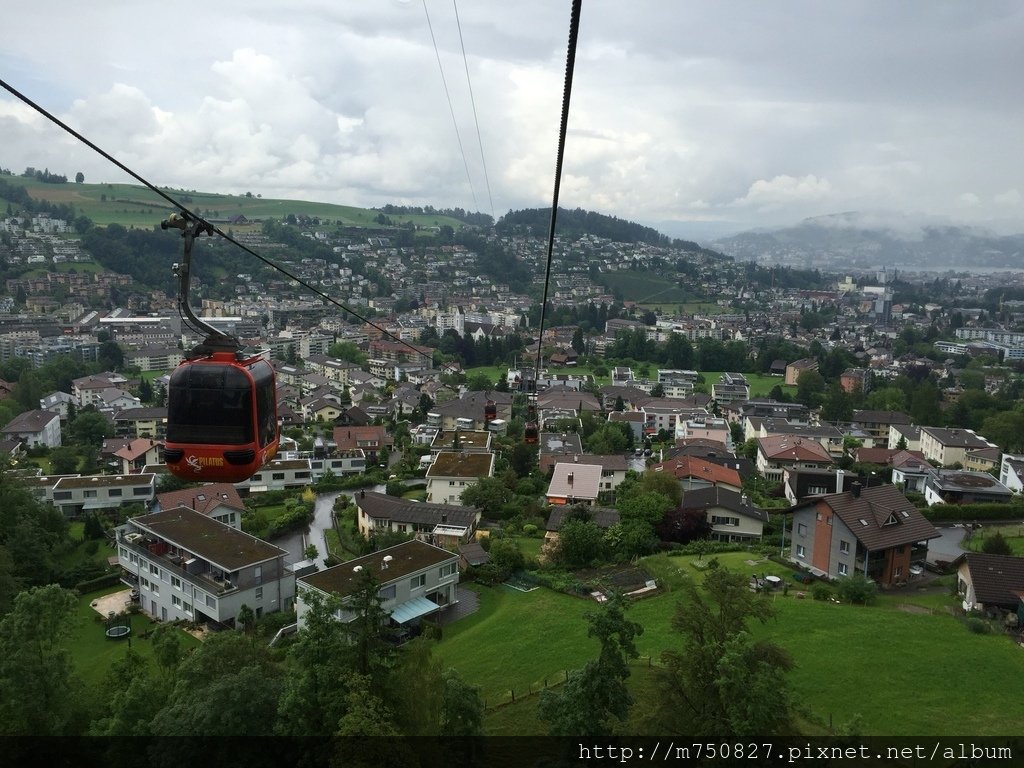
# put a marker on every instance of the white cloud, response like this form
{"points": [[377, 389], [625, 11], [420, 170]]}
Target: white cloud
{"points": [[1010, 197], [782, 190], [341, 100]]}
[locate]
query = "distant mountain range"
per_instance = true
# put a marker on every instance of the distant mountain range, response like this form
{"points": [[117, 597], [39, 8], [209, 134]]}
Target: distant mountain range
{"points": [[867, 241]]}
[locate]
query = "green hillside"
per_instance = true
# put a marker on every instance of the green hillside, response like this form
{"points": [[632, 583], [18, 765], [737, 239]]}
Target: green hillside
{"points": [[135, 205]]}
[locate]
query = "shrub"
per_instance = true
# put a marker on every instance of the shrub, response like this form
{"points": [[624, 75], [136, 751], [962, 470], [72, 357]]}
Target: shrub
{"points": [[821, 591], [977, 626], [857, 589], [91, 547], [529, 529]]}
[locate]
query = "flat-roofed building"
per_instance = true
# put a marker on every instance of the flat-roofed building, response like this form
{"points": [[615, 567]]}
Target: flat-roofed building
{"points": [[188, 566]]}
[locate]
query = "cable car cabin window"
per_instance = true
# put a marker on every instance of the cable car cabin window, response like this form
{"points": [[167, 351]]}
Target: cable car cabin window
{"points": [[209, 404], [266, 413]]}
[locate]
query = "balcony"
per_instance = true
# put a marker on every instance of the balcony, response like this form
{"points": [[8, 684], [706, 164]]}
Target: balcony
{"points": [[192, 569]]}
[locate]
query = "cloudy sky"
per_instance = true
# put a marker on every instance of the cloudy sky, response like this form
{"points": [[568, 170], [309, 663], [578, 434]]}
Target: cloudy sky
{"points": [[715, 115]]}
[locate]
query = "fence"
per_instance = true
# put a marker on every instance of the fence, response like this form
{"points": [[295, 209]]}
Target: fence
{"points": [[553, 681]]}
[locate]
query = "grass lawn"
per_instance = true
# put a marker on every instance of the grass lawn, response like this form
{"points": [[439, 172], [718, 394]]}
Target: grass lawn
{"points": [[529, 545], [93, 653], [760, 384], [906, 666], [1012, 532]]}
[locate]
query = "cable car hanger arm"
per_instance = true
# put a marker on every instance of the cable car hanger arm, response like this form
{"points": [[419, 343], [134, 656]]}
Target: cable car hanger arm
{"points": [[215, 341]]}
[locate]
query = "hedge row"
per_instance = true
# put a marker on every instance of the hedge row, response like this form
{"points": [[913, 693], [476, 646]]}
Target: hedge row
{"points": [[100, 582], [960, 512]]}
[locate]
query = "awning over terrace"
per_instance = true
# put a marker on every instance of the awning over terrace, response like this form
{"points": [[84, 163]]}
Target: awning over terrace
{"points": [[418, 606]]}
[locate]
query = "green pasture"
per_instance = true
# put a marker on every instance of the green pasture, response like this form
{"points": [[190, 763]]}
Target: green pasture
{"points": [[905, 666], [760, 383], [135, 206], [647, 288]]}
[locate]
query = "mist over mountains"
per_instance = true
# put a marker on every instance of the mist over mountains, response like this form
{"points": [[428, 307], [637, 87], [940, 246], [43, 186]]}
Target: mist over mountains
{"points": [[868, 240]]}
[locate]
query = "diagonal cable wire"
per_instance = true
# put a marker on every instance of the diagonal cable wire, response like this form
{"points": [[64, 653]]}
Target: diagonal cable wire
{"points": [[476, 120], [570, 62], [60, 123], [451, 109]]}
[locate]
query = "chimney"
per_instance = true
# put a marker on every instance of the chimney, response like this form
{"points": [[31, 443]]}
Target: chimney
{"points": [[362, 494], [569, 478], [444, 518], [855, 490], [839, 480]]}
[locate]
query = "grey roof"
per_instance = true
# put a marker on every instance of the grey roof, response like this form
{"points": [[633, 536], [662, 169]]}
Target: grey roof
{"points": [[221, 544], [997, 579], [404, 559], [715, 496], [382, 506], [30, 421], [601, 516]]}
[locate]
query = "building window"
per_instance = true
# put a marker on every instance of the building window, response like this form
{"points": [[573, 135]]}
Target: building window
{"points": [[175, 582], [90, 494], [844, 569], [844, 547], [115, 491], [123, 552], [446, 570], [259, 593], [211, 601], [418, 581], [133, 558], [800, 551], [388, 592], [277, 476], [176, 601], [257, 574], [141, 491], [144, 582], [801, 529], [154, 570], [155, 588]]}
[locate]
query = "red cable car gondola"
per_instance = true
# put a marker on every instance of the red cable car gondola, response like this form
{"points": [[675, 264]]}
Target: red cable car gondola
{"points": [[221, 418], [221, 403], [531, 432]]}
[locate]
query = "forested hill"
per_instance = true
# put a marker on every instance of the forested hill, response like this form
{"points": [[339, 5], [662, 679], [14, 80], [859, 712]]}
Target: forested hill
{"points": [[535, 221]]}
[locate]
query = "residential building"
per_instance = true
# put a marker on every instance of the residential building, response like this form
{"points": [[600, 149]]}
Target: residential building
{"points": [[950, 446], [452, 472], [34, 429], [138, 454], [74, 495], [574, 483], [415, 580], [219, 501], [908, 434], [956, 486], [794, 369], [780, 452], [369, 439], [1011, 472], [990, 582], [149, 423], [188, 566], [876, 423], [730, 514], [694, 472], [279, 474], [799, 484], [445, 525], [873, 531]]}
